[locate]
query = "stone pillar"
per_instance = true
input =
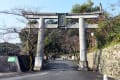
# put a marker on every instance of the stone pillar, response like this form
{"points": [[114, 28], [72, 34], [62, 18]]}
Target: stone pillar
{"points": [[82, 40], [40, 46]]}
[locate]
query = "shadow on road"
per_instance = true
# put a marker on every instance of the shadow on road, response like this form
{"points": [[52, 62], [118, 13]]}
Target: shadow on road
{"points": [[59, 65]]}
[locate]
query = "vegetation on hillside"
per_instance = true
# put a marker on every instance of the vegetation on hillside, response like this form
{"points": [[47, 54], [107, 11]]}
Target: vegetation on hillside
{"points": [[109, 31]]}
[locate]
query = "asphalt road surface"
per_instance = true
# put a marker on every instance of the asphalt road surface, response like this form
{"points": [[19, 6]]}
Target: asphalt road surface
{"points": [[58, 70]]}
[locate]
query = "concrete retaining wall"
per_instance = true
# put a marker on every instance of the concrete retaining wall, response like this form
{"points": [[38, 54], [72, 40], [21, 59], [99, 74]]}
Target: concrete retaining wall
{"points": [[6, 66], [22, 63]]}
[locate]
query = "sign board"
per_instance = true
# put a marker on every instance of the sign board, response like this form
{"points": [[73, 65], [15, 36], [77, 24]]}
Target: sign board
{"points": [[61, 20], [12, 59]]}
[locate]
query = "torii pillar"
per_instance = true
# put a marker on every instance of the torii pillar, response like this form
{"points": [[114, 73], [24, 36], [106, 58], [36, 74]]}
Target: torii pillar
{"points": [[40, 45], [82, 45]]}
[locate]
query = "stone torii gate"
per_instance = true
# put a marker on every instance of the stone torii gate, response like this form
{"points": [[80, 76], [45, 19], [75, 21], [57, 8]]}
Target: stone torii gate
{"points": [[40, 17]]}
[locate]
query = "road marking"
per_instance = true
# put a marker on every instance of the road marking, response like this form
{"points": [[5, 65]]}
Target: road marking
{"points": [[25, 76]]}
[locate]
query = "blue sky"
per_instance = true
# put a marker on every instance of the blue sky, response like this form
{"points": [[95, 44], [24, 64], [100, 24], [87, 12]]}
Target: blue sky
{"points": [[49, 5], [46, 6]]}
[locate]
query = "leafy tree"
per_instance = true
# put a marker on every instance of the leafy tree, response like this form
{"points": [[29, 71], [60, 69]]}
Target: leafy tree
{"points": [[29, 41], [85, 7], [109, 31]]}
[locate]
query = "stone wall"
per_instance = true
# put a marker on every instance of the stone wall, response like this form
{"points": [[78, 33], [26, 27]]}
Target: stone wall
{"points": [[107, 61]]}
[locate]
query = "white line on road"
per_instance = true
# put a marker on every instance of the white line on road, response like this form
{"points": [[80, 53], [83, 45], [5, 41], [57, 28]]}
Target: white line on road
{"points": [[25, 76]]}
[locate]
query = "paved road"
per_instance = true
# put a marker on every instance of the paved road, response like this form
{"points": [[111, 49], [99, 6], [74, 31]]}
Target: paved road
{"points": [[59, 70]]}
